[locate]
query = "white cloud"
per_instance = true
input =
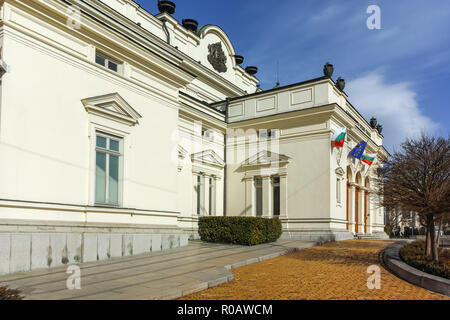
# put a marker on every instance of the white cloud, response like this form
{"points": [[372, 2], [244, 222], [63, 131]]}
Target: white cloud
{"points": [[394, 105], [326, 13]]}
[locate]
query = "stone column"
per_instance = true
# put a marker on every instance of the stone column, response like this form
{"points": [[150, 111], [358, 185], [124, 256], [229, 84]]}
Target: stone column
{"points": [[267, 197], [370, 213], [283, 197], [206, 195], [362, 192], [218, 197], [249, 207], [194, 195], [351, 210]]}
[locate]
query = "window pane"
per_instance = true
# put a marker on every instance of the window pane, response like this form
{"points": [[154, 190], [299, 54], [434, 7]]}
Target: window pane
{"points": [[113, 179], [259, 201], [101, 142], [198, 194], [212, 197], [114, 145], [276, 201], [100, 178], [112, 66], [100, 60]]}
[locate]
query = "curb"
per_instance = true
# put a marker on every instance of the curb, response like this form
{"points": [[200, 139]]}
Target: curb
{"points": [[392, 261], [226, 275]]}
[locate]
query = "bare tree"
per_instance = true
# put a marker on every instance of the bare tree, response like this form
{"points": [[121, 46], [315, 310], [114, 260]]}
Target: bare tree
{"points": [[417, 179]]}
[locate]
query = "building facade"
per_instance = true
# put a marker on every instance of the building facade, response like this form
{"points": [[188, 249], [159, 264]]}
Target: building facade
{"points": [[119, 128]]}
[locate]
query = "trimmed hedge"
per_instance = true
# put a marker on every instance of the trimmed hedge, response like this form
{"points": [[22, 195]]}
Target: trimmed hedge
{"points": [[239, 230], [9, 294], [414, 255]]}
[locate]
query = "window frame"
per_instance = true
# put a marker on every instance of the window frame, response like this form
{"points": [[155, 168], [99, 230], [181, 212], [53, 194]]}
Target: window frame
{"points": [[208, 134], [108, 152], [212, 196], [258, 191], [268, 134], [200, 198], [108, 59], [274, 186]]}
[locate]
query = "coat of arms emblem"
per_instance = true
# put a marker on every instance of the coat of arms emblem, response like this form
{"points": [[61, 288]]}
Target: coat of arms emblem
{"points": [[217, 57]]}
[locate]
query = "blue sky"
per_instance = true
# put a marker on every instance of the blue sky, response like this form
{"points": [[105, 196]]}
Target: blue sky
{"points": [[400, 74]]}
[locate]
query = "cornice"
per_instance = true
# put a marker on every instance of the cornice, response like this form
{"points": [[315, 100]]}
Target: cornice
{"points": [[91, 26], [104, 14], [324, 110], [342, 116], [282, 89]]}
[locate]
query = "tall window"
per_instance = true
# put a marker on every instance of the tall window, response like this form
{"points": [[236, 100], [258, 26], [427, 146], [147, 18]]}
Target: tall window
{"points": [[212, 196], [199, 189], [107, 160], [276, 195], [259, 194], [107, 62]]}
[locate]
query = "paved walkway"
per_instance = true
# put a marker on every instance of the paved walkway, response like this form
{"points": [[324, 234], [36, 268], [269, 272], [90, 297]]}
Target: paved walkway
{"points": [[160, 275], [335, 270]]}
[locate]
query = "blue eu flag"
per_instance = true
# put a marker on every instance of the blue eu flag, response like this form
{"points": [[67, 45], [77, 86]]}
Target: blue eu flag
{"points": [[358, 151]]}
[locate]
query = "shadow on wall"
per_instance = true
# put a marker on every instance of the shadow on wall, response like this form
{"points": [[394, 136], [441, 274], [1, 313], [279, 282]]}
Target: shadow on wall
{"points": [[25, 252]]}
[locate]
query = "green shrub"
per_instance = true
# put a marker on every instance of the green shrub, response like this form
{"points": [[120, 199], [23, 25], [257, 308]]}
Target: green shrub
{"points": [[414, 255], [239, 230], [9, 294]]}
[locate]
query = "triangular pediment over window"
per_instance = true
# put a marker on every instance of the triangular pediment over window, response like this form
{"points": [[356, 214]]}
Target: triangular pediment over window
{"points": [[264, 158], [182, 152], [208, 157], [112, 106]]}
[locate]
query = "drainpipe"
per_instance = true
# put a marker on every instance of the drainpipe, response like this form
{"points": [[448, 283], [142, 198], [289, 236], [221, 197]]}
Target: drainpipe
{"points": [[166, 31]]}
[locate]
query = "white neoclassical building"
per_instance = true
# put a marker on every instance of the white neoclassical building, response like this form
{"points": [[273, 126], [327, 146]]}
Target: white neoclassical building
{"points": [[119, 128]]}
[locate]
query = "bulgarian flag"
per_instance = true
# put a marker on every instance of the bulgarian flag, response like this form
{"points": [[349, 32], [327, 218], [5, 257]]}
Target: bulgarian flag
{"points": [[368, 158], [338, 138]]}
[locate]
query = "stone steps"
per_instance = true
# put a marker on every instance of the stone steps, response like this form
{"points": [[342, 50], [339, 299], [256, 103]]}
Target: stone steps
{"points": [[376, 236]]}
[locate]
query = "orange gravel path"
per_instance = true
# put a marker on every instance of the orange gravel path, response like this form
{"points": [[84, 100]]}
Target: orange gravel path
{"points": [[335, 270]]}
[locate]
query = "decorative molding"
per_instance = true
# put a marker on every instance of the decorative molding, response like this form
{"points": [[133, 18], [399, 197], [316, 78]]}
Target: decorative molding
{"points": [[339, 171], [208, 157], [264, 158], [4, 68], [217, 57], [112, 106], [339, 156], [182, 152]]}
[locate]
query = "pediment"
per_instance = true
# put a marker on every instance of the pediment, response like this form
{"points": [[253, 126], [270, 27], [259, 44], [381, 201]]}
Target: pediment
{"points": [[265, 157], [112, 106], [182, 152], [208, 157]]}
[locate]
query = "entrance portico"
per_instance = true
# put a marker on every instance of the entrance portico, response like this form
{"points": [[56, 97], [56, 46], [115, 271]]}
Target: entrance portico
{"points": [[359, 204]]}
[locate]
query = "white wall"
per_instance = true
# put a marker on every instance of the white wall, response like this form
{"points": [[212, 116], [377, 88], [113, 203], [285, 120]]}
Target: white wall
{"points": [[45, 145]]}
